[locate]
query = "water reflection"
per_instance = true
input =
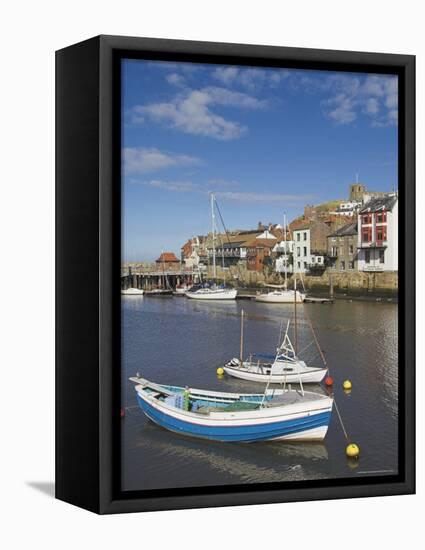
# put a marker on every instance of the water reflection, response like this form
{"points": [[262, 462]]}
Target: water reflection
{"points": [[183, 341]]}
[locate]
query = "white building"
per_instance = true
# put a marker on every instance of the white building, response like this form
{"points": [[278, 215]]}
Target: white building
{"points": [[285, 249], [378, 234], [348, 209], [304, 257]]}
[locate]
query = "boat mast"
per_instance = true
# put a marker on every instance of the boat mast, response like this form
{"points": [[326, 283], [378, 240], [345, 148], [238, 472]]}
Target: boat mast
{"points": [[213, 234], [295, 316], [241, 344], [285, 256]]}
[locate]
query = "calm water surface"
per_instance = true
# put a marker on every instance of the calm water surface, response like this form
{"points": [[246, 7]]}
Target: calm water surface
{"points": [[182, 342]]}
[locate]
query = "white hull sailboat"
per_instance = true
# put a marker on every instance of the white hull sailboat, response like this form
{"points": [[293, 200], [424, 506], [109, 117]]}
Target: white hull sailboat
{"points": [[280, 293], [286, 372], [214, 291], [132, 292], [285, 367], [284, 296]]}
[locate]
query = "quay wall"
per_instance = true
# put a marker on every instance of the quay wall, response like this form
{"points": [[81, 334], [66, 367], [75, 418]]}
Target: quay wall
{"points": [[384, 283]]}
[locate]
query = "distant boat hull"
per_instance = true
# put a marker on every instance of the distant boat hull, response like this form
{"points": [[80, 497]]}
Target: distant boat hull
{"points": [[261, 373], [294, 416], [213, 294], [181, 291], [132, 292], [158, 293], [280, 297]]}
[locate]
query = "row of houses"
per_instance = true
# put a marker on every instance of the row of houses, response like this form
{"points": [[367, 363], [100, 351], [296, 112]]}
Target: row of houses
{"points": [[370, 243], [358, 235]]}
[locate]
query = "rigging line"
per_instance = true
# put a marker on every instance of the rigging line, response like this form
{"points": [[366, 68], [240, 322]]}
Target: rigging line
{"points": [[304, 348], [315, 338], [341, 422], [227, 235], [302, 281]]}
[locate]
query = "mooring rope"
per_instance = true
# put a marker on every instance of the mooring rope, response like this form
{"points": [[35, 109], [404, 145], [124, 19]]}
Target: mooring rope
{"points": [[341, 422]]}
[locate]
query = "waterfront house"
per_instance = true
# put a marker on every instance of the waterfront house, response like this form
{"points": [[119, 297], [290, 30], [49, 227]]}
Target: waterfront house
{"points": [[310, 247], [259, 254], [342, 248], [168, 261], [377, 239], [194, 253]]}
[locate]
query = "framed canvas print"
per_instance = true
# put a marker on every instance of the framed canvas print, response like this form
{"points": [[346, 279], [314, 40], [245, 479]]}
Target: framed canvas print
{"points": [[235, 274]]}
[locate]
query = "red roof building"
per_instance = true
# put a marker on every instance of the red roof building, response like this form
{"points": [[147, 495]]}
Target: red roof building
{"points": [[168, 261]]}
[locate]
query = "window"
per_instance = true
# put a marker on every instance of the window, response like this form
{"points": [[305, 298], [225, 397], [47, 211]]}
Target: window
{"points": [[381, 217], [298, 251], [382, 256], [366, 234], [381, 233], [298, 236], [351, 249], [367, 256], [299, 265], [305, 265], [305, 235], [319, 260], [367, 219], [305, 251], [342, 265], [351, 264]]}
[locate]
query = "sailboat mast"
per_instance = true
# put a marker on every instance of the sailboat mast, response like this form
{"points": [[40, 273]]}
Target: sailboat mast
{"points": [[295, 316], [213, 234], [241, 344], [285, 256]]}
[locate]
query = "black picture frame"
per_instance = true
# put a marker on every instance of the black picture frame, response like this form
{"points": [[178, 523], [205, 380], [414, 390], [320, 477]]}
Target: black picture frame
{"points": [[88, 211]]}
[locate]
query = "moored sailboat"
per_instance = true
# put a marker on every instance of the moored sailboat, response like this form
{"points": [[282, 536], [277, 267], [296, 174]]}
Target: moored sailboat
{"points": [[284, 367], [132, 291], [281, 294], [212, 291]]}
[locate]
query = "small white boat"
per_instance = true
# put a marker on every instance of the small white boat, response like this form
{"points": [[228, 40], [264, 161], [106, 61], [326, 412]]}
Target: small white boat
{"points": [[285, 367], [132, 292], [212, 293], [283, 414], [280, 293], [281, 297], [181, 290]]}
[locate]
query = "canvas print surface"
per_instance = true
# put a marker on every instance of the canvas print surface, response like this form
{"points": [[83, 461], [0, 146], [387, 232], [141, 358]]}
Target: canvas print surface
{"points": [[259, 275]]}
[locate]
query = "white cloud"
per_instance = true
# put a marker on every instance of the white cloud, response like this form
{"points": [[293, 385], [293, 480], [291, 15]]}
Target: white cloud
{"points": [[191, 112], [175, 79], [249, 77], [175, 186], [375, 95], [341, 109], [234, 196], [262, 197], [140, 160], [372, 106]]}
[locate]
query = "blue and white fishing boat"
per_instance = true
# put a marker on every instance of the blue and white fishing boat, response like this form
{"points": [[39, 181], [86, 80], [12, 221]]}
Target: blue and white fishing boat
{"points": [[276, 414]]}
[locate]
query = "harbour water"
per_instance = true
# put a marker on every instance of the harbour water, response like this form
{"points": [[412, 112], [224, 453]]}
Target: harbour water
{"points": [[182, 342]]}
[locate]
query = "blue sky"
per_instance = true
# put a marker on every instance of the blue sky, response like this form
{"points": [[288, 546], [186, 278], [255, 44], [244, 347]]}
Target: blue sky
{"points": [[265, 141]]}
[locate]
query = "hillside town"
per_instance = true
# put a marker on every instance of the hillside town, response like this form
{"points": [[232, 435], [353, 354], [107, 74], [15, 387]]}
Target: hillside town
{"points": [[355, 235], [359, 234]]}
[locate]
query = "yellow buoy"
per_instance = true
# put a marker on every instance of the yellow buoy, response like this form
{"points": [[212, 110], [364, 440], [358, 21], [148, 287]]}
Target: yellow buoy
{"points": [[352, 450], [220, 371], [346, 385]]}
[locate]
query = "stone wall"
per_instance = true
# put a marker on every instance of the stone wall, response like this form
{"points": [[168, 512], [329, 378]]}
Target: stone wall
{"points": [[354, 282]]}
